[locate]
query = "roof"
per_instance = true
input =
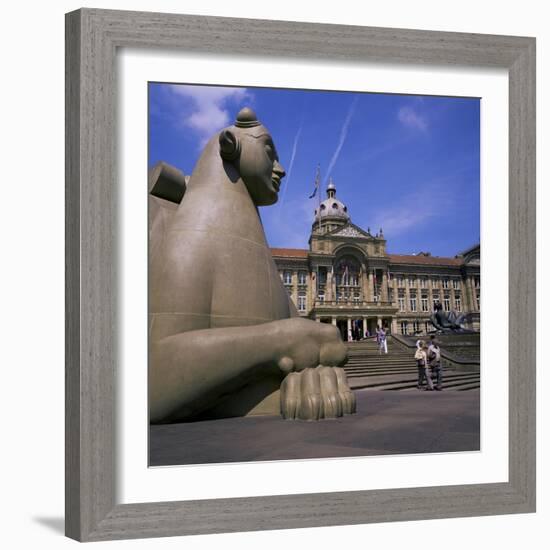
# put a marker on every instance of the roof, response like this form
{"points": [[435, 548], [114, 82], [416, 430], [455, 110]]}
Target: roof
{"points": [[473, 248], [424, 260], [394, 258], [290, 252]]}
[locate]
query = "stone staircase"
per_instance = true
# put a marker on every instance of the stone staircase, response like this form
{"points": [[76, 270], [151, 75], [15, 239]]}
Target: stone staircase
{"points": [[367, 369]]}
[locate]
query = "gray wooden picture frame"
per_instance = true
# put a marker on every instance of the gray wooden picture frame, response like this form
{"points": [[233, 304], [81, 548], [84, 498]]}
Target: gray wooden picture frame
{"points": [[92, 39]]}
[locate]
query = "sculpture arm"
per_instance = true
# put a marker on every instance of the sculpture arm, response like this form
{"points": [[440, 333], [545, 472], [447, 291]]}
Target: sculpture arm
{"points": [[191, 370]]}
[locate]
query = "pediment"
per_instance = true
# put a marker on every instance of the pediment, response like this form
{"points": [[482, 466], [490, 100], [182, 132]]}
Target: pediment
{"points": [[350, 230]]}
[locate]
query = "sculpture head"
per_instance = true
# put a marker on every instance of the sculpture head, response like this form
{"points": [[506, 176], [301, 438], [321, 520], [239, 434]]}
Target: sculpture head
{"points": [[249, 147]]}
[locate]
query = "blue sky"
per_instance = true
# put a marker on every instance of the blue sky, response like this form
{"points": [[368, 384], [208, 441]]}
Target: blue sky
{"points": [[408, 164]]}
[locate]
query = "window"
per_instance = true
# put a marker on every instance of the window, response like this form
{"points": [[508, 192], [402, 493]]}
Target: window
{"points": [[416, 327], [322, 276], [413, 302], [427, 327], [458, 304], [321, 296], [435, 298], [423, 282], [456, 284], [302, 277], [445, 283], [446, 303], [412, 282], [401, 303], [287, 277], [301, 301], [403, 327], [347, 272], [424, 302], [390, 295], [400, 281]]}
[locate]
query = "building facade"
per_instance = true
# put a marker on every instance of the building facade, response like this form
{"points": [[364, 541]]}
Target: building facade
{"points": [[347, 278]]}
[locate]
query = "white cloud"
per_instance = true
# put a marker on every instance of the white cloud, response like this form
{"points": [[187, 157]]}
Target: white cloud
{"points": [[412, 119], [209, 112], [343, 135], [416, 209], [286, 180]]}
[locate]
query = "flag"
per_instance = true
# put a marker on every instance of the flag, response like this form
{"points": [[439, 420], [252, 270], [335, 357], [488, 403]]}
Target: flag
{"points": [[317, 182]]}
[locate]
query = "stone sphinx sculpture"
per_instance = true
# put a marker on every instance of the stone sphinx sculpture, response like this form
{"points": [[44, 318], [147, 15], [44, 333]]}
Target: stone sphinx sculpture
{"points": [[225, 339], [447, 322]]}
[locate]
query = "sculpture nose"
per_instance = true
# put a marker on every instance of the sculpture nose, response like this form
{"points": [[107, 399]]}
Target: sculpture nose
{"points": [[279, 170]]}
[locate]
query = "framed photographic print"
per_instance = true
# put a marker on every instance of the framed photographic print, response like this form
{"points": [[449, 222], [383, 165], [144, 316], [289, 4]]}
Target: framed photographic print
{"points": [[274, 268]]}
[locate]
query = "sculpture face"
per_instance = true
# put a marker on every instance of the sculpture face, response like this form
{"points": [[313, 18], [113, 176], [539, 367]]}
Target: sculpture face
{"points": [[249, 147], [259, 168]]}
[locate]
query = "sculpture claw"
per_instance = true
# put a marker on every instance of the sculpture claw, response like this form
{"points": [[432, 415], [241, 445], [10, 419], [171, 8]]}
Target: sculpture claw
{"points": [[316, 393]]}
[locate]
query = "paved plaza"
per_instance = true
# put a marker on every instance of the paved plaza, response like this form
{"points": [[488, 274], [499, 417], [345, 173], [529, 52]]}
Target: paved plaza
{"points": [[387, 422]]}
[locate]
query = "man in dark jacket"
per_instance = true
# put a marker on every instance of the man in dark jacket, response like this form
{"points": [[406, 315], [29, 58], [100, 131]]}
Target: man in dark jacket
{"points": [[434, 362]]}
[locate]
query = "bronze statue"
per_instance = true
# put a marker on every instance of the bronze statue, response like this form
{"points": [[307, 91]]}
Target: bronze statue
{"points": [[223, 332], [447, 322]]}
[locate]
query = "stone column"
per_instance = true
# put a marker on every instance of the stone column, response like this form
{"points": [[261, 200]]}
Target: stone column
{"points": [[365, 285], [371, 285], [384, 290], [379, 321], [328, 287], [364, 325], [349, 328], [469, 294], [334, 320]]}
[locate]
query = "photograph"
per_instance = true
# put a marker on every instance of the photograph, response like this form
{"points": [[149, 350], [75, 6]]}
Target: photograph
{"points": [[244, 297], [314, 280]]}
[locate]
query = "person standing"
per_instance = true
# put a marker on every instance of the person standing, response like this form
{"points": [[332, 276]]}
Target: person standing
{"points": [[381, 339], [421, 356], [434, 362]]}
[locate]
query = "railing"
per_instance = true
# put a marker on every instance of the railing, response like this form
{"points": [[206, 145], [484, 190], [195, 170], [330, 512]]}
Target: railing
{"points": [[351, 303], [448, 360]]}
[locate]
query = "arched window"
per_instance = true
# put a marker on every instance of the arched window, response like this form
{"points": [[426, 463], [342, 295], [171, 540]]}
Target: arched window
{"points": [[348, 272]]}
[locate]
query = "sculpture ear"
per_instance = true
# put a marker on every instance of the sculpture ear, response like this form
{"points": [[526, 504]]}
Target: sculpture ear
{"points": [[230, 146]]}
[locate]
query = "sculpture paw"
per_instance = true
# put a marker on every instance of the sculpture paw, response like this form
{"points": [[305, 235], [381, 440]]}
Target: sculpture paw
{"points": [[316, 393]]}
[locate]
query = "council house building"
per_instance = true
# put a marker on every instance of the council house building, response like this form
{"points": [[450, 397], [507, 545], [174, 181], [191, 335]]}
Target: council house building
{"points": [[347, 278]]}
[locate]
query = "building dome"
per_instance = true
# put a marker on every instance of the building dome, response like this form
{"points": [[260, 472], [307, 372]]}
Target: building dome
{"points": [[331, 207]]}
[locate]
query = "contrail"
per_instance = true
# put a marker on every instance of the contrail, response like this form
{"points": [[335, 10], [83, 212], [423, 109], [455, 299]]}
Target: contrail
{"points": [[343, 135], [291, 164]]}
